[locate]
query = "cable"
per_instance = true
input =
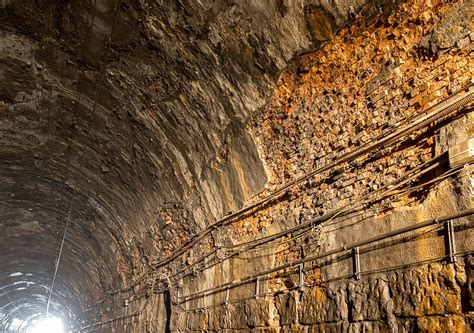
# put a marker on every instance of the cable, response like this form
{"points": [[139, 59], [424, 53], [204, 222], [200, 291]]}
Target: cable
{"points": [[60, 254], [348, 209], [390, 191], [345, 248], [414, 188], [246, 246], [439, 111], [309, 285], [387, 190], [333, 214]]}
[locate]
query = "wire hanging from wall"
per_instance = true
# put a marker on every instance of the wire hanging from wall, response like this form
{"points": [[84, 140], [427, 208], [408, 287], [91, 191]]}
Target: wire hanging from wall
{"points": [[68, 220]]}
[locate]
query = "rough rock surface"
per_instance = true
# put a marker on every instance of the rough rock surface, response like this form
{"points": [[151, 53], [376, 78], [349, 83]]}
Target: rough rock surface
{"points": [[367, 80], [142, 122]]}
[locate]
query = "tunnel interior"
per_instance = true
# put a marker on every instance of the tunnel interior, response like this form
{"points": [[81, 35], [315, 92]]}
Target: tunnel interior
{"points": [[137, 136]]}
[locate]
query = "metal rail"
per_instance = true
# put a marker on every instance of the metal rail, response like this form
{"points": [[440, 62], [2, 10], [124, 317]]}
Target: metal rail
{"points": [[134, 314], [309, 285], [345, 248], [448, 173], [435, 113], [341, 212], [446, 107], [390, 186]]}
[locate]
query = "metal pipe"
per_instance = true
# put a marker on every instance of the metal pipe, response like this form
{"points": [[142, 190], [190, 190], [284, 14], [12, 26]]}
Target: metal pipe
{"points": [[257, 287], [451, 241], [347, 276], [406, 229], [321, 219], [356, 260], [438, 111], [301, 277]]}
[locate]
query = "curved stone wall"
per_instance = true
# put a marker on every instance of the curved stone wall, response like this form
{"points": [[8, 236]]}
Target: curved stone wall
{"points": [[140, 123]]}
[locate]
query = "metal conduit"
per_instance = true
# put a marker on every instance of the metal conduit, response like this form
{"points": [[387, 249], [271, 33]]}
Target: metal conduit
{"points": [[343, 211], [434, 113], [134, 314], [389, 186], [345, 248], [342, 277], [424, 171], [347, 209]]}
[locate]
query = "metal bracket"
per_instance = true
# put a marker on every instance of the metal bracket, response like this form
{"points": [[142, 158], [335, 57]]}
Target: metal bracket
{"points": [[226, 296], [257, 287], [356, 262], [301, 277], [449, 227]]}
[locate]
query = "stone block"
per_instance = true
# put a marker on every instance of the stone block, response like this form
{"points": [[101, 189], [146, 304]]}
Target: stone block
{"points": [[291, 329], [197, 320], [287, 307], [329, 327], [370, 327], [370, 300], [323, 304], [426, 290], [231, 316], [439, 324], [462, 153], [257, 312]]}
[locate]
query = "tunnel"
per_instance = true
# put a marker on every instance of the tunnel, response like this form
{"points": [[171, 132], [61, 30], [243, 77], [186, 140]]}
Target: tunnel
{"points": [[236, 166]]}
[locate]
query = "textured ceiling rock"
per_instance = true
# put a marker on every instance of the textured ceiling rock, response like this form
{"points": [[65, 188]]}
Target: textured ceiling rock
{"points": [[456, 23], [128, 119]]}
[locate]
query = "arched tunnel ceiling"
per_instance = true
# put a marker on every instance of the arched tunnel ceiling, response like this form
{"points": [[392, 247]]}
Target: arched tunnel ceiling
{"points": [[118, 115]]}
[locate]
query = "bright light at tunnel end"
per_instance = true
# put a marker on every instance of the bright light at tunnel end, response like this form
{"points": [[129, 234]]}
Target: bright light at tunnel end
{"points": [[48, 324]]}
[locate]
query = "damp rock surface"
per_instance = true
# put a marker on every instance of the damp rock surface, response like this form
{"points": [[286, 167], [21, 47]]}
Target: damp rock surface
{"points": [[138, 124]]}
